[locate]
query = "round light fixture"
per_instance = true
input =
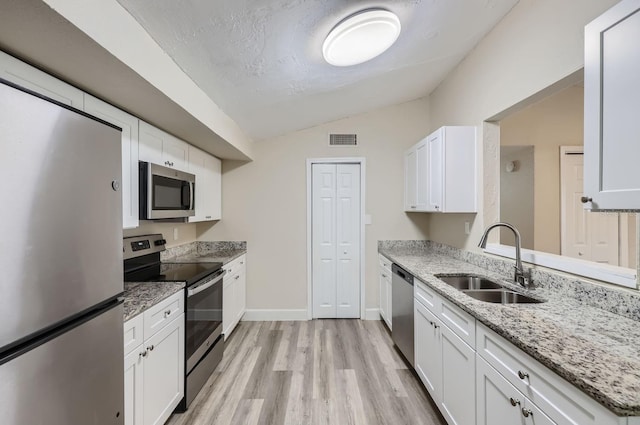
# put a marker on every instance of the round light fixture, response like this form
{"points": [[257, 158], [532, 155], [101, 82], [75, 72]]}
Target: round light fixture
{"points": [[361, 37]]}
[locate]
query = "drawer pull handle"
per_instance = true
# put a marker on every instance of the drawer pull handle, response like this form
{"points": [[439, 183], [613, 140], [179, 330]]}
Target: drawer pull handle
{"points": [[514, 402], [151, 347], [143, 354], [522, 375], [237, 277], [526, 412], [384, 275], [167, 313]]}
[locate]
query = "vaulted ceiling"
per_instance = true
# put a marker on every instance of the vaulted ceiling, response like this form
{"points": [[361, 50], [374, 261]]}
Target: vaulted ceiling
{"points": [[261, 60]]}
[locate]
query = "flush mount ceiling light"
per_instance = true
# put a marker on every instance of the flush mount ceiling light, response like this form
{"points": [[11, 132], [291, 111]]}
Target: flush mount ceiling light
{"points": [[361, 37]]}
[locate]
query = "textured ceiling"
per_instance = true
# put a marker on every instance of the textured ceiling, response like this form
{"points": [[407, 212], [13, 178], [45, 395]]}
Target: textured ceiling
{"points": [[261, 60]]}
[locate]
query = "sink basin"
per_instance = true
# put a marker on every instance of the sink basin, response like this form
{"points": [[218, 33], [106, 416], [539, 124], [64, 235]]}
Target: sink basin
{"points": [[465, 282], [501, 296]]}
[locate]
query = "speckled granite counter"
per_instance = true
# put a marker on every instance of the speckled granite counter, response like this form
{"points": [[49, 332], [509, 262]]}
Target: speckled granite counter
{"points": [[205, 252], [139, 296], [594, 349]]}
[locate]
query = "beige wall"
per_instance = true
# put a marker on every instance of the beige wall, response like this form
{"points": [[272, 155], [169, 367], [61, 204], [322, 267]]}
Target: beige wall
{"points": [[186, 231], [516, 194], [553, 122], [537, 44], [265, 201]]}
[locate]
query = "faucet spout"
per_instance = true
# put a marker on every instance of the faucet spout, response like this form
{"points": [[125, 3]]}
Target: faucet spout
{"points": [[520, 276]]}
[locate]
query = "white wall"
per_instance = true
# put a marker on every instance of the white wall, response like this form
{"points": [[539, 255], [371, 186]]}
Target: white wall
{"points": [[264, 201], [516, 194], [537, 44]]}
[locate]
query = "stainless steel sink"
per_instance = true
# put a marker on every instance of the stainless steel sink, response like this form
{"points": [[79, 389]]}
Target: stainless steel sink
{"points": [[466, 282], [501, 296]]}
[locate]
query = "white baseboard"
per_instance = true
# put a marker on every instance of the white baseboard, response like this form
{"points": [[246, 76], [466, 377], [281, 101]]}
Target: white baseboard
{"points": [[372, 314], [259, 315]]}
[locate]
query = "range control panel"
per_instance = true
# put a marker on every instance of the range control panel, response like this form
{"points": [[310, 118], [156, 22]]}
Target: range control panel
{"points": [[138, 246]]}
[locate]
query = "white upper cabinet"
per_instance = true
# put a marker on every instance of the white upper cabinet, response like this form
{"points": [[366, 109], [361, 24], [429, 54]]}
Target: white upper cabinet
{"points": [[440, 172], [18, 72], [129, 125], [162, 148], [208, 171], [612, 106]]}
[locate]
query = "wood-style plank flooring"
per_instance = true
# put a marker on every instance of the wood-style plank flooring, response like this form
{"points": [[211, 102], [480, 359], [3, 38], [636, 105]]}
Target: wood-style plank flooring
{"points": [[333, 372]]}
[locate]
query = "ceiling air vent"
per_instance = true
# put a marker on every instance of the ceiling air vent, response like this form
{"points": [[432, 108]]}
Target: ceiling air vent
{"points": [[343, 140]]}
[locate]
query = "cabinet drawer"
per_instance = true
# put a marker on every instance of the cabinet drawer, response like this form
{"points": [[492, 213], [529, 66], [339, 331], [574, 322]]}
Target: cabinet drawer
{"points": [[460, 322], [384, 261], [161, 314], [558, 399], [427, 296], [235, 266], [133, 333]]}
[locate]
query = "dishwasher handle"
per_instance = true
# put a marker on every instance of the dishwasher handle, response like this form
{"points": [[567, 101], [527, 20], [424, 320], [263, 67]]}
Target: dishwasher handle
{"points": [[401, 273]]}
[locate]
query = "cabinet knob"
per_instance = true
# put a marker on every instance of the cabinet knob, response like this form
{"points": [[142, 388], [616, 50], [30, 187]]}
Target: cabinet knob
{"points": [[514, 402], [522, 375], [143, 354], [413, 207], [526, 412], [237, 277], [586, 199], [208, 217], [167, 313]]}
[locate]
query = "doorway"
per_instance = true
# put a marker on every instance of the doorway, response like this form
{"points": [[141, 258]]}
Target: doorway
{"points": [[591, 236], [335, 231]]}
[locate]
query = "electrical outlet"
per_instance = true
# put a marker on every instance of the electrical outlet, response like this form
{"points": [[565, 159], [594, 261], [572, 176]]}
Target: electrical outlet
{"points": [[175, 234], [467, 228]]}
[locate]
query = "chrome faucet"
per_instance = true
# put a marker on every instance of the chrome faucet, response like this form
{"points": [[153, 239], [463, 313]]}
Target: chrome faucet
{"points": [[521, 277]]}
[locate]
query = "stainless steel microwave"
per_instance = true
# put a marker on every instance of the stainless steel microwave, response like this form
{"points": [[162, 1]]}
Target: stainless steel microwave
{"points": [[165, 192]]}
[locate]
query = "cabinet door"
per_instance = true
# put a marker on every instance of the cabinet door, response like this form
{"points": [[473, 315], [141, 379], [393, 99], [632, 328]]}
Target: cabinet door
{"points": [[228, 305], [428, 350], [164, 372], [435, 172], [174, 153], [498, 402], [150, 148], [208, 171], [410, 180], [389, 303], [240, 293], [133, 382], [382, 277], [422, 176], [18, 72], [612, 101], [458, 379], [129, 125]]}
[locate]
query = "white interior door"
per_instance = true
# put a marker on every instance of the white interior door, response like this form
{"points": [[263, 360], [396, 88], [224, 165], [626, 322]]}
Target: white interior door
{"points": [[335, 217], [585, 235]]}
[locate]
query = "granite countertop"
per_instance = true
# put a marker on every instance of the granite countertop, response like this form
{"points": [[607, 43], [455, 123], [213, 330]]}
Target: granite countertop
{"points": [[595, 350], [139, 296], [223, 256]]}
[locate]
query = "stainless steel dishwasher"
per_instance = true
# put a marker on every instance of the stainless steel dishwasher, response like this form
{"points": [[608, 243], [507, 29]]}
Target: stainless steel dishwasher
{"points": [[402, 311]]}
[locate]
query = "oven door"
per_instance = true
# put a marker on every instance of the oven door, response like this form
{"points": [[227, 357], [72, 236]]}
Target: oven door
{"points": [[204, 317], [165, 192]]}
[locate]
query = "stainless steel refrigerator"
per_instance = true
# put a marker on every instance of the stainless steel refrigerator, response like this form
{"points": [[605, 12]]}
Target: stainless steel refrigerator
{"points": [[61, 278]]}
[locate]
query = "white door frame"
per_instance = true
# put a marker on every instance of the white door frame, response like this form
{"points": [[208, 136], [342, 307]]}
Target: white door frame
{"points": [[354, 160]]}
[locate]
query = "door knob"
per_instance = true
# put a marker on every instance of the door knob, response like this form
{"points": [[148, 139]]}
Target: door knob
{"points": [[586, 199]]}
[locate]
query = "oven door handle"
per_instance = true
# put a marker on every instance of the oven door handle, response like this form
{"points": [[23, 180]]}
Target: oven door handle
{"points": [[196, 290]]}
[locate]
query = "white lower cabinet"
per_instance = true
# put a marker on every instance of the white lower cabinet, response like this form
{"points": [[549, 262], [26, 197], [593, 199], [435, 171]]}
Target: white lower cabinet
{"points": [[385, 290], [446, 366], [234, 294], [545, 392], [154, 369], [500, 403]]}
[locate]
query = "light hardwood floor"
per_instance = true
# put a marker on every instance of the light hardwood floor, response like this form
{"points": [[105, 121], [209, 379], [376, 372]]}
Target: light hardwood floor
{"points": [[333, 372]]}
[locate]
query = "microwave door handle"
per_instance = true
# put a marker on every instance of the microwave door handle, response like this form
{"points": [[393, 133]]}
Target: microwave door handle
{"points": [[192, 187]]}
